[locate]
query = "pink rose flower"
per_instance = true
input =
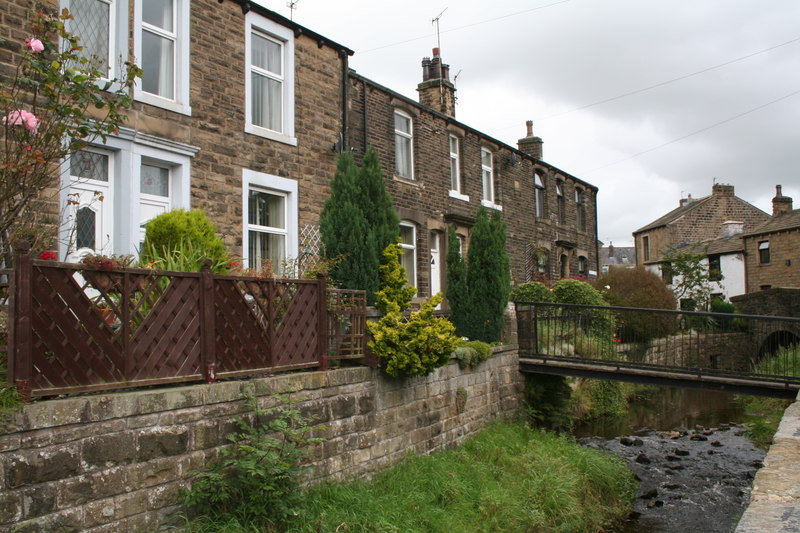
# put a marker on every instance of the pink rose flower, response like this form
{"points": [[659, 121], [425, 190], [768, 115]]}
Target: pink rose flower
{"points": [[34, 45], [20, 117]]}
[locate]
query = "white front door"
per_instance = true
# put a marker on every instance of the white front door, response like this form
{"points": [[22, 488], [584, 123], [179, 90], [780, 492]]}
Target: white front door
{"points": [[156, 193], [436, 264], [90, 201]]}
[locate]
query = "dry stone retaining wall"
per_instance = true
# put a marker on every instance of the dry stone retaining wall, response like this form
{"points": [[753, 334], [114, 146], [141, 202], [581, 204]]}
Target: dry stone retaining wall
{"points": [[116, 462]]}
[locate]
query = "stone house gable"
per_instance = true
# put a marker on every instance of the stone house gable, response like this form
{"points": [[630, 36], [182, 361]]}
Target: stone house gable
{"points": [[695, 220]]}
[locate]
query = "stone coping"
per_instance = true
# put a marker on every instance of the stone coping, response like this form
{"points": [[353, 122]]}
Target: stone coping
{"points": [[775, 499]]}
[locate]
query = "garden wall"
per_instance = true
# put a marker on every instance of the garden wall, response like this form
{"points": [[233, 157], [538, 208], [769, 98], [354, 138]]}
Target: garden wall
{"points": [[115, 462]]}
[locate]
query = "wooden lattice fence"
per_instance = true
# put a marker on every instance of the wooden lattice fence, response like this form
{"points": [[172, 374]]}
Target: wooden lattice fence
{"points": [[74, 329]]}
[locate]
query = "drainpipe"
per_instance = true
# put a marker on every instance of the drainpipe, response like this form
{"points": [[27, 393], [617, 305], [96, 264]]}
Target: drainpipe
{"points": [[345, 92], [366, 114], [596, 241]]}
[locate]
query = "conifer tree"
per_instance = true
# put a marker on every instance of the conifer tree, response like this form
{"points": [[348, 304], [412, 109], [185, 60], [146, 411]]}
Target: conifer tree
{"points": [[346, 233], [376, 203], [488, 277], [457, 294], [357, 223]]}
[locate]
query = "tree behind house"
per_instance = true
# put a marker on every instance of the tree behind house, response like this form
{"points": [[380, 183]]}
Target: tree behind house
{"points": [[357, 223], [457, 292], [691, 279], [480, 315]]}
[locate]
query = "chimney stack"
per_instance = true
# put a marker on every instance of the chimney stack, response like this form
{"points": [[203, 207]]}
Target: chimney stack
{"points": [[731, 228], [436, 91], [719, 189], [780, 204], [529, 144]]}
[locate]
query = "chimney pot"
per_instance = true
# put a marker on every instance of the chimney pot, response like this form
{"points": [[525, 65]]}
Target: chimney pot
{"points": [[436, 52], [780, 204], [529, 126]]}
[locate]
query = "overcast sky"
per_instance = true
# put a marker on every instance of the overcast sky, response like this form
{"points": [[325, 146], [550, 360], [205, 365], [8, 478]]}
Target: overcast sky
{"points": [[649, 100]]}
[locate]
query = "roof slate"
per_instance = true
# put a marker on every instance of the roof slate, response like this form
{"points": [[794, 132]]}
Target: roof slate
{"points": [[675, 214], [786, 221]]}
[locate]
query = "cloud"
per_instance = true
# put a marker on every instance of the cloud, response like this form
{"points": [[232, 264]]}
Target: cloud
{"points": [[716, 66]]}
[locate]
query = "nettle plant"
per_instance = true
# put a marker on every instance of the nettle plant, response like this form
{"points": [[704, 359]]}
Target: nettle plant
{"points": [[57, 102]]}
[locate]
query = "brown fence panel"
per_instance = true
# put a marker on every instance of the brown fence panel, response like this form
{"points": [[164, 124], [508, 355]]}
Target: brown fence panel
{"points": [[73, 345], [296, 323], [347, 319], [77, 329], [242, 337], [167, 341]]}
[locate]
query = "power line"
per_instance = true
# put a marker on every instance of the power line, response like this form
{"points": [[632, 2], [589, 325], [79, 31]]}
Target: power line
{"points": [[673, 80], [486, 21], [701, 130]]}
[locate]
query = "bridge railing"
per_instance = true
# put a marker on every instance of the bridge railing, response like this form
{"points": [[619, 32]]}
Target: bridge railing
{"points": [[763, 347]]}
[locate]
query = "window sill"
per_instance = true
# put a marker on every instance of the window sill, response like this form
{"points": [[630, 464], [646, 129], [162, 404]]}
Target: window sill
{"points": [[269, 134], [407, 181], [164, 103], [491, 205], [458, 196]]}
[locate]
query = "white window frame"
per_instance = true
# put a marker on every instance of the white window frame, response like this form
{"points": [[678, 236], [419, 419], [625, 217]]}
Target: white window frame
{"points": [[129, 148], [154, 199], [411, 248], [117, 34], [262, 25], [273, 185], [763, 250], [409, 137], [561, 214], [455, 165], [487, 181], [179, 103], [538, 195]]}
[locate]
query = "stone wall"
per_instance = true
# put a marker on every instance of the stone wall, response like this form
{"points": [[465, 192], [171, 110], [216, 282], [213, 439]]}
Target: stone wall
{"points": [[773, 302], [775, 498], [116, 462], [724, 351], [781, 271]]}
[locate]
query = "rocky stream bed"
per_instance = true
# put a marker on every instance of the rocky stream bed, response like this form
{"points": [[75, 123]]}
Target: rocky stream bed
{"points": [[695, 480]]}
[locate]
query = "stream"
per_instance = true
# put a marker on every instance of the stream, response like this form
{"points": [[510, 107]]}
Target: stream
{"points": [[695, 469]]}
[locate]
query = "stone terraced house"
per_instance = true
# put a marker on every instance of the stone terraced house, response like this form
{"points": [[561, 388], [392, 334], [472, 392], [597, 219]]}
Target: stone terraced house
{"points": [[772, 249], [242, 113]]}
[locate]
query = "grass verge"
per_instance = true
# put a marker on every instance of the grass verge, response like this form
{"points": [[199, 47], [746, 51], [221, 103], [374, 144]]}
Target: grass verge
{"points": [[508, 478]]}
